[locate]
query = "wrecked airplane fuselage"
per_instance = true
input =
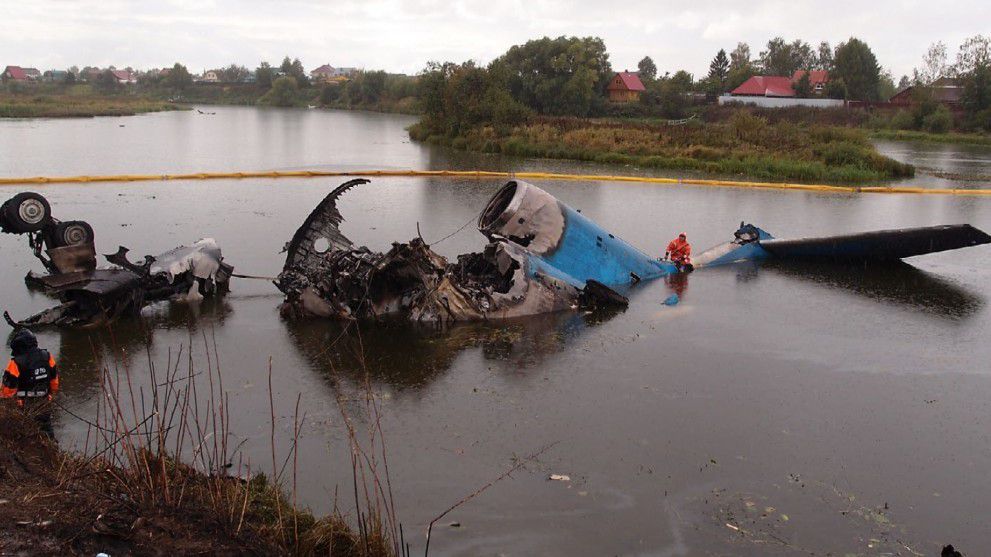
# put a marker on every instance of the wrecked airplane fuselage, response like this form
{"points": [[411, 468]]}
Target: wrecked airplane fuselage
{"points": [[532, 264]]}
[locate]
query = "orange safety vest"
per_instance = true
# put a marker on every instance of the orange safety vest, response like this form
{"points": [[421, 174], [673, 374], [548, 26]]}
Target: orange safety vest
{"points": [[680, 250], [42, 378]]}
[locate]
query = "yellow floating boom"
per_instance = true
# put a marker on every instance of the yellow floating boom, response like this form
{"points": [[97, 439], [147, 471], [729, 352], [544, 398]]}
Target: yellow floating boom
{"points": [[485, 174]]}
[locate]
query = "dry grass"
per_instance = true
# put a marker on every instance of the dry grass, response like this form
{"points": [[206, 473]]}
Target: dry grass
{"points": [[157, 475]]}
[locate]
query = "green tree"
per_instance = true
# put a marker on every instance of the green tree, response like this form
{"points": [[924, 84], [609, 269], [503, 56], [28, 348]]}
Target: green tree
{"points": [[264, 74], [565, 76], [975, 52], [297, 71], [648, 70], [824, 57], [330, 93], [934, 65], [803, 87], [738, 76], [719, 70], [233, 73], [886, 86], [836, 88], [783, 58], [282, 93], [973, 69], [740, 57], [458, 98], [857, 66], [974, 73], [670, 94], [107, 84], [366, 88], [178, 79]]}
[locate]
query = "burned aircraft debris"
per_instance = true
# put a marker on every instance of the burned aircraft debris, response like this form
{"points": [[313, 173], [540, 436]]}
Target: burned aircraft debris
{"points": [[528, 266], [91, 296]]}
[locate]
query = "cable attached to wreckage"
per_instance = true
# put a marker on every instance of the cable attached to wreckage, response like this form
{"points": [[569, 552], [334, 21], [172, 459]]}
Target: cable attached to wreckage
{"points": [[253, 277]]}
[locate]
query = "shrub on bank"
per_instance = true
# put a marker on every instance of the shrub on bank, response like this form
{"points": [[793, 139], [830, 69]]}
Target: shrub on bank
{"points": [[746, 144]]}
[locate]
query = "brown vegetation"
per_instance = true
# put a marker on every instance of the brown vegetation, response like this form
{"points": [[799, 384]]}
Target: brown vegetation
{"points": [[164, 481]]}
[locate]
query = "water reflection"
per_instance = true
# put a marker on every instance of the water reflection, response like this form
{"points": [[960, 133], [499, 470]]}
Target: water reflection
{"points": [[409, 355], [83, 353], [896, 283]]}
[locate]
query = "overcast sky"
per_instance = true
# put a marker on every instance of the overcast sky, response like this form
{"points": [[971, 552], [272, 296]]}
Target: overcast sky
{"points": [[401, 36]]}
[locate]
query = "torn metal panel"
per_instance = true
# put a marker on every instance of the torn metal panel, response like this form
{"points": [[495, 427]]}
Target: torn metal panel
{"points": [[320, 232], [72, 259], [103, 296]]}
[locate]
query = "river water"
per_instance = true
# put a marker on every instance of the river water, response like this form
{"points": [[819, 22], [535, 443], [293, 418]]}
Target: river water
{"points": [[775, 410]]}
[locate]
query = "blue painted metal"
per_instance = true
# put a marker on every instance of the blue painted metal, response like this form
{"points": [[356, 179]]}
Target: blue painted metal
{"points": [[586, 251], [746, 247], [562, 243]]}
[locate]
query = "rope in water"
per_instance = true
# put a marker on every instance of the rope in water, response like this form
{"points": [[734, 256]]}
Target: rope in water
{"points": [[478, 174]]}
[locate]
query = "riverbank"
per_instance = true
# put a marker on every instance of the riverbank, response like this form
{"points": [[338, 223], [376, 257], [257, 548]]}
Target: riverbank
{"points": [[56, 502], [82, 100], [952, 138], [743, 145], [79, 106]]}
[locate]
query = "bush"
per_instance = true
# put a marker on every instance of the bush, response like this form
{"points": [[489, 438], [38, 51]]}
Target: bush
{"points": [[329, 94], [981, 120], [746, 126], [843, 153], [903, 120], [939, 121], [283, 93]]}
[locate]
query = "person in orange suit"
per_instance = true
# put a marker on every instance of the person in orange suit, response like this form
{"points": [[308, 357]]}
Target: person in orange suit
{"points": [[679, 252], [31, 378]]}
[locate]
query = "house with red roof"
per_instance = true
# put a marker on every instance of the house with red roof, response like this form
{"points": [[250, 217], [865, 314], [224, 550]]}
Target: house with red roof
{"points": [[772, 91], [765, 86], [625, 87], [124, 76], [780, 86], [14, 73], [324, 73]]}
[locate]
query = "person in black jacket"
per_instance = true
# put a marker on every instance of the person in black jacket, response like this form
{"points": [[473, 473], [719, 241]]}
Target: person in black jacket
{"points": [[31, 378]]}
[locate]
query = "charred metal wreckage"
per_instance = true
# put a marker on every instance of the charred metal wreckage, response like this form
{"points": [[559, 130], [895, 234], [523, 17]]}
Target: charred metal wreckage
{"points": [[542, 256], [528, 267], [90, 296]]}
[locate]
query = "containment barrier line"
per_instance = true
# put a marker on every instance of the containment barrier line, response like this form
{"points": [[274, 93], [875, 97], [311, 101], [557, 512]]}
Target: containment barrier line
{"points": [[487, 174]]}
